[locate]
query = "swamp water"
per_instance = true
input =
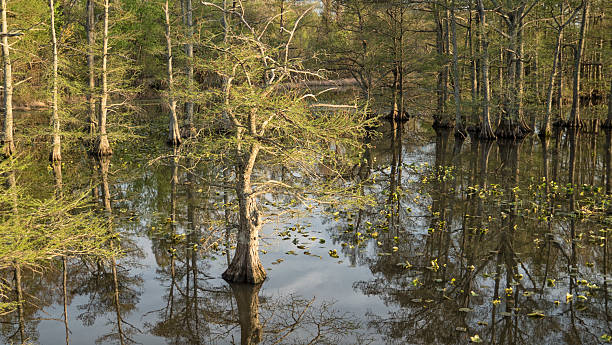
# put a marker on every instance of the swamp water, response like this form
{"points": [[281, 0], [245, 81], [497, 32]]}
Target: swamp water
{"points": [[466, 242]]}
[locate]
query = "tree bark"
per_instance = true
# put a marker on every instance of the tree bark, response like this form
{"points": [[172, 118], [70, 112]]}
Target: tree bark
{"points": [[246, 266], [559, 95], [91, 97], [574, 119], [555, 71], [104, 148], [189, 129], [459, 126], [509, 126], [473, 74], [520, 75], [609, 120], [546, 126], [8, 144], [440, 118], [56, 151], [174, 136], [486, 132]]}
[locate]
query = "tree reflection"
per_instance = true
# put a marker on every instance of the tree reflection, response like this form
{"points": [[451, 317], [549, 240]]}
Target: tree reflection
{"points": [[110, 286]]}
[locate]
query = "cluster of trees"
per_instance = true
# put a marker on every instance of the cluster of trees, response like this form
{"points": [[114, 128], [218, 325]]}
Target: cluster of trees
{"points": [[500, 67], [239, 77]]}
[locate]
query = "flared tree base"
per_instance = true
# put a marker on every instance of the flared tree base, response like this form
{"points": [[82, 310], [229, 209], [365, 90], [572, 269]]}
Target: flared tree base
{"points": [[244, 268], [174, 138], [8, 149], [103, 148], [486, 133], [56, 154], [575, 123], [559, 123], [442, 123], [473, 128], [174, 142], [509, 130]]}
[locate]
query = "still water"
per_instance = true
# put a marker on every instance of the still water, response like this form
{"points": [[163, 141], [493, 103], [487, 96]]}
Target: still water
{"points": [[466, 241]]}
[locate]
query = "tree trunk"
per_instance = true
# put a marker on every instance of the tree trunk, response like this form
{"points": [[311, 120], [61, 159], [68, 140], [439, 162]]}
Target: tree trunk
{"points": [[485, 128], [559, 95], [174, 136], [56, 151], [608, 123], [8, 145], [520, 76], [104, 148], [459, 126], [440, 118], [245, 266], [509, 126], [546, 126], [91, 97], [106, 197], [574, 119], [473, 75], [189, 129]]}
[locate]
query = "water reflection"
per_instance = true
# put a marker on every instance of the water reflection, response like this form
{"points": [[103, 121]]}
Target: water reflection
{"points": [[507, 241]]}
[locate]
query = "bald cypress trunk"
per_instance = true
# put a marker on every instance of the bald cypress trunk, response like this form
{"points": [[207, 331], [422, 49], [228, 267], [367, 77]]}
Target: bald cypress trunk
{"points": [[174, 137], [509, 126], [91, 98], [440, 118], [486, 132], [574, 118], [609, 120], [104, 148], [8, 144], [473, 74], [546, 126], [189, 129], [56, 152], [459, 126], [246, 266]]}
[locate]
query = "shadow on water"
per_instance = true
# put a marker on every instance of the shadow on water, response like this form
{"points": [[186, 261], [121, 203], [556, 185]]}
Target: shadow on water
{"points": [[465, 240]]}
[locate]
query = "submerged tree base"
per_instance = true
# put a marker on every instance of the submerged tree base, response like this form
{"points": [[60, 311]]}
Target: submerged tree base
{"points": [[575, 123], [8, 149], [103, 148], [486, 134], [245, 267], [442, 123], [174, 141], [509, 129]]}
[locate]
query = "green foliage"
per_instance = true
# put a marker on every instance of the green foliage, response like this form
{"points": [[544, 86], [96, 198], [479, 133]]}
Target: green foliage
{"points": [[34, 231]]}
